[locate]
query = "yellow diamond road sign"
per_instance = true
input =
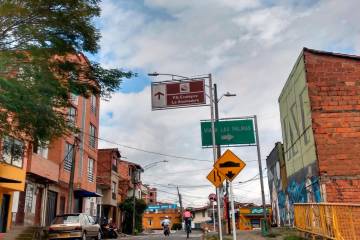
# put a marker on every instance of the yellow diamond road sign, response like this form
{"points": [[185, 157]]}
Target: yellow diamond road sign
{"points": [[215, 177], [229, 165]]}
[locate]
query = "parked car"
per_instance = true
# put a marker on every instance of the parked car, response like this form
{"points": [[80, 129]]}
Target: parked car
{"points": [[74, 225]]}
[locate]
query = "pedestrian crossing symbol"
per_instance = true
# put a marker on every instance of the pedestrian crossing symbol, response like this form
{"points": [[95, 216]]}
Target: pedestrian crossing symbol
{"points": [[215, 177], [229, 165]]}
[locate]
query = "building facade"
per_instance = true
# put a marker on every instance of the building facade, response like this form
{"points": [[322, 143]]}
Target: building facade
{"points": [[155, 214], [107, 181], [13, 164], [150, 195], [277, 181], [46, 192], [320, 119]]}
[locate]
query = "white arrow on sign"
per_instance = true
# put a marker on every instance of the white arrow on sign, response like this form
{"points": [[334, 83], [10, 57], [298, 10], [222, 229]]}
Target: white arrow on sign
{"points": [[227, 137], [158, 98]]}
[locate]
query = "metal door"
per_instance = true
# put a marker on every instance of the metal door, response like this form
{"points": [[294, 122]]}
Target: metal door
{"points": [[51, 207], [4, 212]]}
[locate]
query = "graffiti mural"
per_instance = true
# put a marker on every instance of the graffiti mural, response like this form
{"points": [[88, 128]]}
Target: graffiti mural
{"points": [[299, 147]]}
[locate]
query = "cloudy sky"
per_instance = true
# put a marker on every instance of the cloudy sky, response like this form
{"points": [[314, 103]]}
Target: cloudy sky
{"points": [[249, 46]]}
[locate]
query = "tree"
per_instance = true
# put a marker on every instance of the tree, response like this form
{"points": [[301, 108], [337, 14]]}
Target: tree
{"points": [[126, 208], [39, 42]]}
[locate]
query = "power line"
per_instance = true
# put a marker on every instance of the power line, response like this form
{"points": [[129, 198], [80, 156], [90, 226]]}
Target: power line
{"points": [[156, 153]]}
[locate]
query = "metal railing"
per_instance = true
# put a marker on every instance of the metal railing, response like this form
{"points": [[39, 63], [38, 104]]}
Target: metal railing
{"points": [[329, 220]]}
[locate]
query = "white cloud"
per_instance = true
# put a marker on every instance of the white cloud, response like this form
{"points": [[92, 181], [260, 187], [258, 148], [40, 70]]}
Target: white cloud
{"points": [[250, 48]]}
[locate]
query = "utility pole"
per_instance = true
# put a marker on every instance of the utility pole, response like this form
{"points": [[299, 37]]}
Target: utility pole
{"points": [[218, 148], [72, 174], [181, 206], [134, 200]]}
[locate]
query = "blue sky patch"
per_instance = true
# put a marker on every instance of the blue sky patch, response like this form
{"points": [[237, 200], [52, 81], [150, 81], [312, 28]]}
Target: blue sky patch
{"points": [[135, 84]]}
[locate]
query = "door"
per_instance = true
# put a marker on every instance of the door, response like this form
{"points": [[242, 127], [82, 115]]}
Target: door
{"points": [[4, 212], [51, 207]]}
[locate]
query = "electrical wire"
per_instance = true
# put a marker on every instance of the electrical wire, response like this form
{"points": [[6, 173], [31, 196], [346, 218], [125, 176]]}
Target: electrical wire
{"points": [[156, 153]]}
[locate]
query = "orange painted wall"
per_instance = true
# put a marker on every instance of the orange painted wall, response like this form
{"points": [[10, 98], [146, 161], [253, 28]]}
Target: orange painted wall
{"points": [[156, 219]]}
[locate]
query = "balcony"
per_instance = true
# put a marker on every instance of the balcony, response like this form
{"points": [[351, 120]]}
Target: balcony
{"points": [[43, 167]]}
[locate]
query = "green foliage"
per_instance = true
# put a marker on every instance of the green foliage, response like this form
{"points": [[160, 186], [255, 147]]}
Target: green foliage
{"points": [[127, 209], [34, 84], [176, 226]]}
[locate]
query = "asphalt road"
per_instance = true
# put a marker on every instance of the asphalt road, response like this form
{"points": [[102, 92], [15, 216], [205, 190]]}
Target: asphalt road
{"points": [[180, 235]]}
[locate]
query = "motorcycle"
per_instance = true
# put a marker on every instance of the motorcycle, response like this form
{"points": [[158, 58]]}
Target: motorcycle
{"points": [[166, 230], [108, 231]]}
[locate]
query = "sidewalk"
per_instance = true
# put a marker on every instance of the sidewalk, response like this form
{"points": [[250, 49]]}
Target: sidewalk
{"points": [[279, 234]]}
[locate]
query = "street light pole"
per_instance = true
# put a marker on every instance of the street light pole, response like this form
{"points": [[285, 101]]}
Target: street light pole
{"points": [[212, 101], [72, 174], [134, 200]]}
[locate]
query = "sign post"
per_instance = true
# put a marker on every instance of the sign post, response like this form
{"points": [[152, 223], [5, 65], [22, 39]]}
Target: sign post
{"points": [[230, 166]]}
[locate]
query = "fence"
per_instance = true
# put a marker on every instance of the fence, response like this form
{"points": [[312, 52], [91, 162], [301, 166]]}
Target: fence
{"points": [[329, 220]]}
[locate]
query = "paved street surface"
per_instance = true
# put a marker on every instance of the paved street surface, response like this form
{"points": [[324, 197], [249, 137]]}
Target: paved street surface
{"points": [[180, 235]]}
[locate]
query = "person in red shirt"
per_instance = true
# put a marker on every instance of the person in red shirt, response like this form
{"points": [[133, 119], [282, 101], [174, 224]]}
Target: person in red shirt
{"points": [[187, 218]]}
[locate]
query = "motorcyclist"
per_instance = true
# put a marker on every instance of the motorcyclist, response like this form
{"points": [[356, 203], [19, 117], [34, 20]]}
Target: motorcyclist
{"points": [[166, 225]]}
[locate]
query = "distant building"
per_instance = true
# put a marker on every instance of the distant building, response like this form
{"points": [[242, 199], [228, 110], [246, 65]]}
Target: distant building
{"points": [[320, 121], [154, 214], [151, 195], [248, 215], [277, 180]]}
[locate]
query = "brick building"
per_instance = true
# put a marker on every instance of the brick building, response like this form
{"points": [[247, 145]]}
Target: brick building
{"points": [[48, 169], [320, 118], [150, 197]]}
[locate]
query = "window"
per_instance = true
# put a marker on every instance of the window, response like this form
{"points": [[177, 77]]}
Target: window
{"points": [[129, 172], [92, 140], [149, 221], [12, 151], [41, 150], [203, 213], [68, 156], [29, 195], [93, 103], [74, 98], [114, 164], [113, 190], [91, 170], [72, 115]]}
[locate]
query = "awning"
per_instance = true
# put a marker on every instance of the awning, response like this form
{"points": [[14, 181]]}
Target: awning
{"points": [[8, 180], [84, 193]]}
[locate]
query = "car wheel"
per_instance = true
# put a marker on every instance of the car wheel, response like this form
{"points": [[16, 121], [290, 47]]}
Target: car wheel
{"points": [[98, 236]]}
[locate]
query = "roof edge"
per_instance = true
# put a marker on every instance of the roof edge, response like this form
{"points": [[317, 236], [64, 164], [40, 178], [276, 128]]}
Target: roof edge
{"points": [[321, 52]]}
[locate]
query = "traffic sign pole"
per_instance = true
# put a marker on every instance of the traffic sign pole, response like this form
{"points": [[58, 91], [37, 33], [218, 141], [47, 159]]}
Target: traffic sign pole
{"points": [[260, 167], [232, 211], [214, 149]]}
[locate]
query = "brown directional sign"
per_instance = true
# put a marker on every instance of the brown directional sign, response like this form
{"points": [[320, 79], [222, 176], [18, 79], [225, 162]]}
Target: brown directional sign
{"points": [[171, 94], [215, 177], [229, 165]]}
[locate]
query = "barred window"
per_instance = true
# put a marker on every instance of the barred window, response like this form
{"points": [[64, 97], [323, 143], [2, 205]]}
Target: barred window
{"points": [[93, 103], [91, 170], [74, 98], [72, 115], [68, 156], [29, 195], [92, 139], [12, 151]]}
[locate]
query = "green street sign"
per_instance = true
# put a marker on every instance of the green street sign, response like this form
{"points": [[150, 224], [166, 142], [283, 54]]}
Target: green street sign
{"points": [[229, 132]]}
